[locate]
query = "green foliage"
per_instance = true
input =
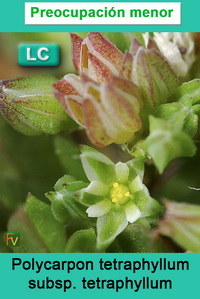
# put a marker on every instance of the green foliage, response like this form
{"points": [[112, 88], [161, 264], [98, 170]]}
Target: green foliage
{"points": [[26, 164], [180, 115], [64, 206], [82, 241], [188, 93], [39, 231], [68, 153], [135, 238], [96, 165], [166, 142]]}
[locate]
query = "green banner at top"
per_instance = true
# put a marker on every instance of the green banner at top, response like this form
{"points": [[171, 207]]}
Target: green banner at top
{"points": [[115, 16]]}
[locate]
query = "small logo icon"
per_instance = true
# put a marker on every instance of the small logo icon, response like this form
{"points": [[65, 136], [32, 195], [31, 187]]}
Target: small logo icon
{"points": [[12, 239], [38, 55]]}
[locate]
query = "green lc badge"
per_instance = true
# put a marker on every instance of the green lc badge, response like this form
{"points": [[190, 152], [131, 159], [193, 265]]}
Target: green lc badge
{"points": [[38, 55]]}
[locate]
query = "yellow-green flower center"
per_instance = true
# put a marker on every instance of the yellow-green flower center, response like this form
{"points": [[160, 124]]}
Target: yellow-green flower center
{"points": [[120, 194]]}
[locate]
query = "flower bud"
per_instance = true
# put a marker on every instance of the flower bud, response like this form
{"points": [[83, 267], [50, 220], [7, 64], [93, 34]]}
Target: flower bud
{"points": [[182, 224], [109, 112], [155, 77], [107, 96], [28, 104], [96, 57]]}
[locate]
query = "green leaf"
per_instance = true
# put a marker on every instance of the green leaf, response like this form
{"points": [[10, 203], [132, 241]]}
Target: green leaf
{"points": [[26, 163], [89, 199], [135, 238], [11, 195], [182, 224], [48, 228], [64, 203], [29, 105], [39, 231], [30, 240], [69, 184], [167, 142], [191, 124], [180, 115], [162, 244], [63, 182], [147, 205], [65, 207], [96, 165], [109, 226], [82, 241], [68, 154], [188, 93]]}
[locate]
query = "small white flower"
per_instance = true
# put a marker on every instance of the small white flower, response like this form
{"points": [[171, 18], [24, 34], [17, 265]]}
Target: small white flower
{"points": [[178, 48]]}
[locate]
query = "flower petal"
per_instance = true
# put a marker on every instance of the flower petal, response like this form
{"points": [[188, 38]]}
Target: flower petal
{"points": [[76, 50], [155, 77], [135, 47], [136, 184], [121, 109], [129, 87], [97, 188], [103, 49], [88, 199], [122, 172], [127, 64], [72, 105], [70, 85], [102, 72], [152, 44], [99, 209], [171, 44], [100, 129], [132, 212], [109, 226], [92, 91], [96, 165]]}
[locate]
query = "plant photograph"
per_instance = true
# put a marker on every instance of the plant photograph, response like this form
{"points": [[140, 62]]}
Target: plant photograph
{"points": [[101, 153]]}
